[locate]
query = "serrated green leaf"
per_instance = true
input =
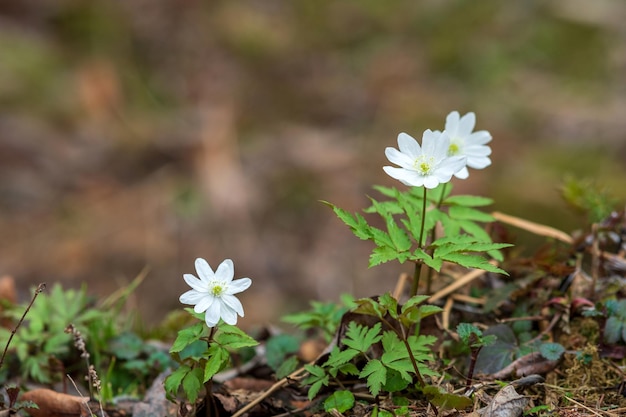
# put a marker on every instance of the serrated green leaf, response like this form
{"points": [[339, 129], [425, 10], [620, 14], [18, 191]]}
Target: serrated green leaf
{"points": [[233, 337], [175, 379], [287, 366], [187, 336], [473, 229], [376, 374], [317, 378], [468, 201], [341, 400], [192, 384], [420, 255], [218, 359], [465, 331], [384, 254], [361, 338], [387, 191], [468, 213], [473, 261], [355, 222], [339, 357], [398, 236], [389, 304]]}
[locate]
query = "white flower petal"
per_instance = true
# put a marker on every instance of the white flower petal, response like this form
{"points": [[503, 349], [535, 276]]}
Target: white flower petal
{"points": [[238, 285], [481, 137], [233, 303], [405, 176], [396, 157], [462, 174], [213, 314], [205, 303], [204, 270], [409, 146], [229, 316], [195, 283], [466, 124], [429, 142], [431, 182], [226, 271], [479, 163], [452, 122], [191, 297]]}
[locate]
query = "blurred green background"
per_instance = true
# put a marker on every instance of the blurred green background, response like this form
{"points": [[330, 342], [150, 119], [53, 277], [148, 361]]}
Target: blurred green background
{"points": [[148, 133]]}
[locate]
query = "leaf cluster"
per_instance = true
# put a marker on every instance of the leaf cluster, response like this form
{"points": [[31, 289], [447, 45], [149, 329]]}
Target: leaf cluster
{"points": [[465, 239], [200, 356], [41, 339], [404, 358], [324, 317]]}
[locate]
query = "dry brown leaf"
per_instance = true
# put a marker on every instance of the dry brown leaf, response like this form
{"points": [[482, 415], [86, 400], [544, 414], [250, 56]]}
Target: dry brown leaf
{"points": [[55, 404], [533, 363], [506, 403]]}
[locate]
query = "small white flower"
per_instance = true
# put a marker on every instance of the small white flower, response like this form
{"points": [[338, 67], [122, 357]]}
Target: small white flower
{"points": [[428, 165], [214, 292], [465, 142]]}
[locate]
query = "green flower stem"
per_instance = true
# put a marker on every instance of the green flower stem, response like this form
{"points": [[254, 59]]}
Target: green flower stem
{"points": [[420, 242], [419, 265], [209, 400]]}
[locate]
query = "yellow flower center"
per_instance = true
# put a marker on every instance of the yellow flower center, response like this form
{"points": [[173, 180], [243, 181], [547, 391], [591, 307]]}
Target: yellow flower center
{"points": [[217, 289], [424, 165], [454, 148]]}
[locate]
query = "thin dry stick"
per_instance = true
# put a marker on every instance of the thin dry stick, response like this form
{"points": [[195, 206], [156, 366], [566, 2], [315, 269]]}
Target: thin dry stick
{"points": [[397, 292], [465, 279], [39, 289], [536, 228], [587, 408], [271, 389]]}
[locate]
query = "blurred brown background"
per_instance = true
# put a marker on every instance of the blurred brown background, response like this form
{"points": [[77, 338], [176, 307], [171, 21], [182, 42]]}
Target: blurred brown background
{"points": [[148, 133]]}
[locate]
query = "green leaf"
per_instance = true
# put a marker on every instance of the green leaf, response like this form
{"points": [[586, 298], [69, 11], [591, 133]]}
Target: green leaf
{"points": [[613, 329], [445, 400], [384, 254], [473, 261], [278, 347], [174, 380], [218, 359], [468, 201], [341, 400], [468, 213], [187, 336], [361, 338], [433, 263], [287, 367], [339, 357], [398, 236], [355, 222], [317, 378], [192, 384], [551, 351], [465, 331], [376, 374], [233, 337]]}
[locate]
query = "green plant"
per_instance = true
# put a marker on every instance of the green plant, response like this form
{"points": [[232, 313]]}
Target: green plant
{"points": [[615, 326], [473, 338], [41, 346], [201, 352], [386, 354], [204, 349], [322, 317]]}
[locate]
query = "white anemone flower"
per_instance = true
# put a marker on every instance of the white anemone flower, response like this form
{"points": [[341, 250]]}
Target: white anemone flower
{"points": [[214, 292], [428, 165], [465, 142]]}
